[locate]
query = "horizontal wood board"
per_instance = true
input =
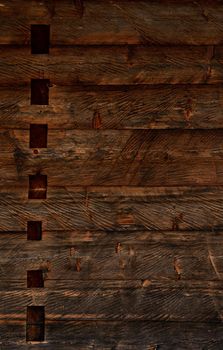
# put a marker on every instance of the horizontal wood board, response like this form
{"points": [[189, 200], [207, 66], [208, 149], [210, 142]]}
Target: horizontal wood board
{"points": [[116, 107], [91, 22], [115, 158], [113, 65], [70, 256]]}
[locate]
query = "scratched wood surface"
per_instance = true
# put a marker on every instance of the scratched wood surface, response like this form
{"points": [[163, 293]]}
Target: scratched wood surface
{"points": [[122, 335], [97, 255], [120, 208], [132, 224], [115, 158], [114, 65], [111, 300], [114, 22], [119, 107]]}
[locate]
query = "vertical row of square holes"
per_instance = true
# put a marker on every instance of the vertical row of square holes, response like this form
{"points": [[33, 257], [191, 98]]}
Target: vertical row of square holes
{"points": [[40, 40]]}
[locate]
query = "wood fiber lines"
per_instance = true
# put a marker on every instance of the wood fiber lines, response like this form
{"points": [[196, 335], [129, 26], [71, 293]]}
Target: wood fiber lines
{"points": [[111, 175]]}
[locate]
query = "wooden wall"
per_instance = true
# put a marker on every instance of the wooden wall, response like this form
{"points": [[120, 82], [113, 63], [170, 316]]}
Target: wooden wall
{"points": [[132, 224]]}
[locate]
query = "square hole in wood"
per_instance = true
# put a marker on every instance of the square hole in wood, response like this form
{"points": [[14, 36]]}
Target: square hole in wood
{"points": [[40, 91], [34, 230], [35, 279], [35, 322], [40, 38], [38, 135], [37, 186]]}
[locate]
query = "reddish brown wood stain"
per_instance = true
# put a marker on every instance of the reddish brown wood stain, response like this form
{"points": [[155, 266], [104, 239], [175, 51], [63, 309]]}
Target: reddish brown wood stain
{"points": [[111, 174]]}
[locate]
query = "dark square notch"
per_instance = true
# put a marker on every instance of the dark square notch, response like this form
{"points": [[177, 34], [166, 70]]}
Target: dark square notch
{"points": [[35, 323], [38, 136], [40, 38], [35, 279], [40, 91], [37, 186], [34, 230]]}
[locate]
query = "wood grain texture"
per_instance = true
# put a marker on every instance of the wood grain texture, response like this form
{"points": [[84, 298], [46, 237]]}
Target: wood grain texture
{"points": [[132, 224], [108, 300], [113, 65], [106, 107], [116, 22], [119, 208], [133, 335], [116, 158], [72, 256]]}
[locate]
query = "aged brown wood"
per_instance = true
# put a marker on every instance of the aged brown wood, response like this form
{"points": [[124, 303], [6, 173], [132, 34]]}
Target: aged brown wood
{"points": [[116, 22], [108, 300], [132, 335], [106, 107], [72, 255], [114, 208], [113, 65], [128, 240], [115, 158]]}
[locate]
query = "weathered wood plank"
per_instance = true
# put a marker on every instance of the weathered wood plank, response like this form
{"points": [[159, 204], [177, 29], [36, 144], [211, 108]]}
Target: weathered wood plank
{"points": [[99, 255], [122, 335], [144, 107], [180, 301], [116, 158], [116, 22], [113, 65], [120, 208], [65, 238]]}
